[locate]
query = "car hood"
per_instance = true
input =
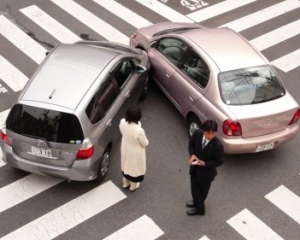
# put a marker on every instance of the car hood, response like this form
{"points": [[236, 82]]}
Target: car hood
{"points": [[265, 118]]}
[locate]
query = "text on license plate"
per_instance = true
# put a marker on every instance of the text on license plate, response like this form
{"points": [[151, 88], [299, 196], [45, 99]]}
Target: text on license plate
{"points": [[265, 147], [41, 151]]}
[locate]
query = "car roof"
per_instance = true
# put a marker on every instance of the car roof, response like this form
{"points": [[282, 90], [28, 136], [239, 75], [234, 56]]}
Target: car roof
{"points": [[67, 74], [226, 48]]}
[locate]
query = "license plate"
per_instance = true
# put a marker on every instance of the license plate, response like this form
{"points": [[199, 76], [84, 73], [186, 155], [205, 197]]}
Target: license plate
{"points": [[265, 147], [41, 152]]}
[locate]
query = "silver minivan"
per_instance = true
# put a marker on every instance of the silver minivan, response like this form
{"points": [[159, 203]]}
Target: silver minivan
{"points": [[65, 121]]}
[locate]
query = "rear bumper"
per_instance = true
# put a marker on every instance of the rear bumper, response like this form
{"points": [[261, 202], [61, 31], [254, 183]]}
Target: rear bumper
{"points": [[248, 145], [83, 170]]}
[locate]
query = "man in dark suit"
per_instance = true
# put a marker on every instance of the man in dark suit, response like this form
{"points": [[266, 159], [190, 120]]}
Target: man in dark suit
{"points": [[206, 153]]}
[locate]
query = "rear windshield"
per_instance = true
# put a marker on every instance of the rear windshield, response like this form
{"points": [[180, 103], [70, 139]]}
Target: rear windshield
{"points": [[250, 86], [52, 126]]}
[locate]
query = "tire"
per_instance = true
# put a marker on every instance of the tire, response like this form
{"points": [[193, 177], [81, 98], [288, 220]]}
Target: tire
{"points": [[103, 166], [193, 124], [145, 89]]}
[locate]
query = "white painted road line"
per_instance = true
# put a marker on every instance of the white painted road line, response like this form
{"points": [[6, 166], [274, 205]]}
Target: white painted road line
{"points": [[217, 9], [263, 15], [142, 228], [49, 24], [2, 89], [204, 238], [69, 215], [287, 201], [12, 76], [165, 11], [23, 189], [277, 36], [124, 13], [288, 62], [89, 19], [21, 40], [252, 228]]}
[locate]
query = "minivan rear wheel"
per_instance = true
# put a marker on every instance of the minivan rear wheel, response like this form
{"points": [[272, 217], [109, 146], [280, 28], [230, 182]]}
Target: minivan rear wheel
{"points": [[103, 165], [193, 124]]}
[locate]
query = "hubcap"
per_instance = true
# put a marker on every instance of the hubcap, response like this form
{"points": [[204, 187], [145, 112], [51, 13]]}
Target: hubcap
{"points": [[104, 163], [193, 126]]}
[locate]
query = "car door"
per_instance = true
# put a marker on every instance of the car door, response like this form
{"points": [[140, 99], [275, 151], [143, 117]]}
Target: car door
{"points": [[189, 81], [164, 58]]}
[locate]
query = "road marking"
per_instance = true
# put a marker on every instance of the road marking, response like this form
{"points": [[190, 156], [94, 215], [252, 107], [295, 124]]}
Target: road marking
{"points": [[204, 238], [217, 9], [252, 228], [21, 40], [12, 76], [287, 201], [288, 62], [69, 215], [277, 36], [49, 24], [263, 15], [124, 13], [165, 11], [2, 89], [93, 22], [142, 228], [23, 189]]}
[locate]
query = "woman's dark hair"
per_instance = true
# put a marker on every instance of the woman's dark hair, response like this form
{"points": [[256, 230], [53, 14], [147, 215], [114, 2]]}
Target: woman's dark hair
{"points": [[133, 114], [210, 125]]}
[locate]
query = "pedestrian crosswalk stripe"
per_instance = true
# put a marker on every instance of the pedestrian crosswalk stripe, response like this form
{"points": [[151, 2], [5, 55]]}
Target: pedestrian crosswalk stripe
{"points": [[251, 227], [262, 15], [217, 9], [165, 11], [46, 22], [89, 19], [288, 62], [142, 228], [23, 189], [69, 215], [21, 40], [11, 75], [124, 13], [276, 36], [287, 201]]}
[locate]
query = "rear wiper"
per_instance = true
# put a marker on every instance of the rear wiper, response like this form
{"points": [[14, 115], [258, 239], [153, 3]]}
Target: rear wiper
{"points": [[41, 138]]}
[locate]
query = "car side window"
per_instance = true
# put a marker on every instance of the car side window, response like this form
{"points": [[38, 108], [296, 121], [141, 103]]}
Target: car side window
{"points": [[195, 68], [123, 71], [102, 100], [172, 48]]}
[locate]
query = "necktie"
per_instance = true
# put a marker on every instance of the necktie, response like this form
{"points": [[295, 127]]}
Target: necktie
{"points": [[203, 143]]}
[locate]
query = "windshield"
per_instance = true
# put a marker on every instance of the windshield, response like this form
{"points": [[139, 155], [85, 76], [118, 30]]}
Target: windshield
{"points": [[250, 86], [52, 126]]}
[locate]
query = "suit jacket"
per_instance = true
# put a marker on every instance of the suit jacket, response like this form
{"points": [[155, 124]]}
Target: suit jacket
{"points": [[212, 155]]}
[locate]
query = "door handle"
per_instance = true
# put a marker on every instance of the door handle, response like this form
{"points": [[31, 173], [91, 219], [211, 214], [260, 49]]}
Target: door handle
{"points": [[167, 75], [108, 123], [191, 98], [127, 94]]}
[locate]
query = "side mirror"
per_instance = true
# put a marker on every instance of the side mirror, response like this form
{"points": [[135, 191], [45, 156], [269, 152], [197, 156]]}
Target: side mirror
{"points": [[140, 68]]}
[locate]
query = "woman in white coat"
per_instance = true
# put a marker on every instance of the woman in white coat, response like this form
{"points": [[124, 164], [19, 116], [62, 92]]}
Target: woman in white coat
{"points": [[133, 149]]}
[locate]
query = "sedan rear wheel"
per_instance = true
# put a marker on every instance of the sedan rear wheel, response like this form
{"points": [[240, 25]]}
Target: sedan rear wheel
{"points": [[193, 124], [103, 165]]}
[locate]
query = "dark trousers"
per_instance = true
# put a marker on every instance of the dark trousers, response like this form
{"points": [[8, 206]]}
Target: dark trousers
{"points": [[199, 193]]}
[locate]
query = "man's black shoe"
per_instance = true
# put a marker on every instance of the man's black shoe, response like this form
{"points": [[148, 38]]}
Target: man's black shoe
{"points": [[190, 204], [193, 212]]}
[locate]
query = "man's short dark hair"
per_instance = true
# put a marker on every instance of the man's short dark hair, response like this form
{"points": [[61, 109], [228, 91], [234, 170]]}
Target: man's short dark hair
{"points": [[210, 125], [133, 114]]}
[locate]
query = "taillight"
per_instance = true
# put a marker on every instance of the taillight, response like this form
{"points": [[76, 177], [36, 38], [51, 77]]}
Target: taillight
{"points": [[133, 36], [295, 117], [232, 128], [86, 150], [4, 137]]}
